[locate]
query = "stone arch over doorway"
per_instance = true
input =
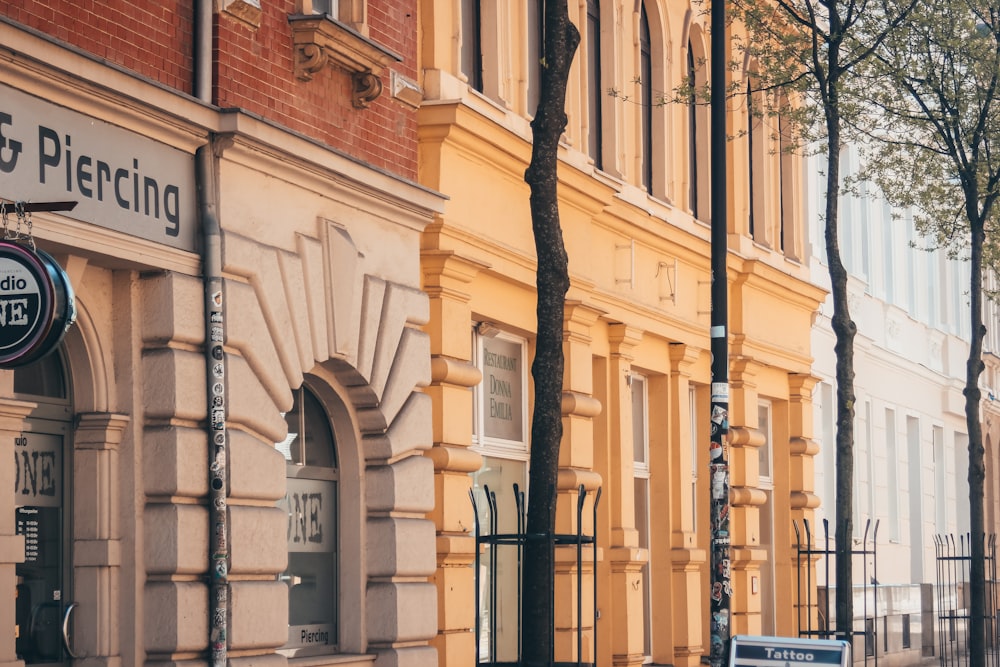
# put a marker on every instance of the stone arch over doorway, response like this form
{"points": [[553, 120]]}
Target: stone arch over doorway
{"points": [[322, 310]]}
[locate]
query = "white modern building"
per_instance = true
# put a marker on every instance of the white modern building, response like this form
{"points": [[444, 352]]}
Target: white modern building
{"points": [[911, 444]]}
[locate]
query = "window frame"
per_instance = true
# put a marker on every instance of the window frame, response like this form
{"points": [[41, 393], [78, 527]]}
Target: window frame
{"points": [[500, 447], [353, 13], [646, 79], [595, 97], [639, 389], [331, 477]]}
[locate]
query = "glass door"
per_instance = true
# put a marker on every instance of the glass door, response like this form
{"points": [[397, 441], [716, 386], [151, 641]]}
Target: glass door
{"points": [[41, 511]]}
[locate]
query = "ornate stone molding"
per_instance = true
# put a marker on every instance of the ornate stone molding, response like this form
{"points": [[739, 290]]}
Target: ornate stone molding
{"points": [[320, 40]]}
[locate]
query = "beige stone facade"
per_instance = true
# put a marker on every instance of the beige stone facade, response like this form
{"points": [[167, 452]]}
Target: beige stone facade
{"points": [[634, 212], [319, 267]]}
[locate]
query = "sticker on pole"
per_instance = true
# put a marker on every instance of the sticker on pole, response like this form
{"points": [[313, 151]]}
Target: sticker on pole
{"points": [[788, 652]]}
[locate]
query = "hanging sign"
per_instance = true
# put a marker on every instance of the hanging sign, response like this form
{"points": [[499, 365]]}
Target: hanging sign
{"points": [[788, 652], [36, 304]]}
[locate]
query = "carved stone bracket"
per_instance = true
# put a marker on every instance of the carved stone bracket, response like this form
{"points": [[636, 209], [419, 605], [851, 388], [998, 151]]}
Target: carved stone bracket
{"points": [[367, 87], [321, 40]]}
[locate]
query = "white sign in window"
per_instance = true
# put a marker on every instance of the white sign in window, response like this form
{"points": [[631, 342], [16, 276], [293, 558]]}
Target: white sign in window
{"points": [[503, 389]]}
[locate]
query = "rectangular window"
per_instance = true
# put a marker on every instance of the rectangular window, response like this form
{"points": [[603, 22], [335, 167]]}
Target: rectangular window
{"points": [[828, 448], [694, 443], [866, 233], [787, 196], [961, 501], [766, 483], [938, 458], [911, 271], [915, 470], [329, 7], [472, 48], [870, 458], [533, 66], [640, 471], [892, 470], [889, 255], [500, 436], [933, 285]]}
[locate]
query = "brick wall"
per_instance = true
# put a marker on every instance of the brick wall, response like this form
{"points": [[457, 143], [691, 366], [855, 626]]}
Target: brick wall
{"points": [[253, 66], [152, 38]]}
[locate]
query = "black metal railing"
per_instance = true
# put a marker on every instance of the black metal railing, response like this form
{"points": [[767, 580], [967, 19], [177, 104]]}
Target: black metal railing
{"points": [[824, 547], [493, 540], [954, 562]]}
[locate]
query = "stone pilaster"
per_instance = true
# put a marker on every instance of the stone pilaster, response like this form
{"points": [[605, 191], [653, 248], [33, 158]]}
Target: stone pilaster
{"points": [[627, 558], [746, 499], [447, 277], [576, 469], [802, 450], [681, 602], [97, 537]]}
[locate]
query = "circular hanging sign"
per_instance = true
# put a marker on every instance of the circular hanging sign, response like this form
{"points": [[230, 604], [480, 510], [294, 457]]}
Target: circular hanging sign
{"points": [[36, 304]]}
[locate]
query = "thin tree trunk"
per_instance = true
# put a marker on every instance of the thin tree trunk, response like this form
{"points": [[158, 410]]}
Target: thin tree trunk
{"points": [[844, 329], [977, 466], [537, 614]]}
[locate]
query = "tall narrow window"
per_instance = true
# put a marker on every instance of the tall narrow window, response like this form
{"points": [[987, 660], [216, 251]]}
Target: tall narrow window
{"points": [[892, 469], [751, 166], [911, 269], [889, 254], [500, 436], [940, 466], [472, 46], [827, 464], [596, 91], [536, 50], [786, 232], [640, 472], [646, 76], [695, 415], [692, 134], [866, 233], [767, 577], [963, 520], [916, 491], [312, 505]]}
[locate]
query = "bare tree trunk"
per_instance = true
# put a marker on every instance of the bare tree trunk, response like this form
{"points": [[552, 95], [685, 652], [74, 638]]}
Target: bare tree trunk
{"points": [[537, 614], [977, 465], [844, 329]]}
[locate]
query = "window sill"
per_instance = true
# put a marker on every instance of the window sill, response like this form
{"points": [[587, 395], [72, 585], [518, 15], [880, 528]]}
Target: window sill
{"points": [[320, 40]]}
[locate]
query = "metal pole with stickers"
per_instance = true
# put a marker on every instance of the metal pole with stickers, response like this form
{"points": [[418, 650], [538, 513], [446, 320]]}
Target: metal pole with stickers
{"points": [[721, 585]]}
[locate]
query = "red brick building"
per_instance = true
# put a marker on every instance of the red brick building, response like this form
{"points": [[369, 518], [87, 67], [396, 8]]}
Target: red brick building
{"points": [[222, 458]]}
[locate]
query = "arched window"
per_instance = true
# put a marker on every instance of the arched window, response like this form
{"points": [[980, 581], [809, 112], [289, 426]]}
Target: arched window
{"points": [[312, 504], [754, 167], [693, 130], [596, 90], [646, 75]]}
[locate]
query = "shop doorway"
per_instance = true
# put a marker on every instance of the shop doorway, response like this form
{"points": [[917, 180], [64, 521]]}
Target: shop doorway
{"points": [[42, 513]]}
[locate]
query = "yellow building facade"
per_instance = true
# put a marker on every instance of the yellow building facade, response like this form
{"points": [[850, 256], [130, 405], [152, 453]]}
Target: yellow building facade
{"points": [[634, 193]]}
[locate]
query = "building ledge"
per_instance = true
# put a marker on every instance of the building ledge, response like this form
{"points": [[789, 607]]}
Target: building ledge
{"points": [[320, 40]]}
